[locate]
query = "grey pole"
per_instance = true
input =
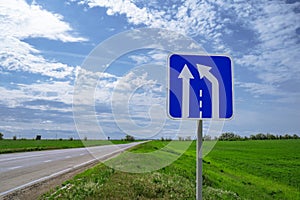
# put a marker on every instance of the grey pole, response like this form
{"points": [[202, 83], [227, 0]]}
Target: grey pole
{"points": [[199, 161]]}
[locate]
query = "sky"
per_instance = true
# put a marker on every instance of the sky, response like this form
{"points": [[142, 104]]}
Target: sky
{"points": [[46, 45]]}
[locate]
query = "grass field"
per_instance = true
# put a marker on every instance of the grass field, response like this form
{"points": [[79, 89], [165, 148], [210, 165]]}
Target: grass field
{"points": [[256, 169], [232, 170], [11, 146]]}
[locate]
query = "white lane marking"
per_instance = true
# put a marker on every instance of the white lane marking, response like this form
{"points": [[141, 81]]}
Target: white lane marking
{"points": [[59, 173], [14, 158], [81, 154], [68, 157], [16, 167], [47, 161], [53, 152]]}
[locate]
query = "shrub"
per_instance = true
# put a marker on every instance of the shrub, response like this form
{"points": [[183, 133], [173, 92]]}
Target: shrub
{"points": [[229, 137], [129, 138]]}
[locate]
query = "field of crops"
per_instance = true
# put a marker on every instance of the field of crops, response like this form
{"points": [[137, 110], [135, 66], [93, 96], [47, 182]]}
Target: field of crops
{"points": [[11, 146], [256, 169], [232, 170]]}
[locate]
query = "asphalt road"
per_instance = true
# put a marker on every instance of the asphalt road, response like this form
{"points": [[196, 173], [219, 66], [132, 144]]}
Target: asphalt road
{"points": [[19, 170]]}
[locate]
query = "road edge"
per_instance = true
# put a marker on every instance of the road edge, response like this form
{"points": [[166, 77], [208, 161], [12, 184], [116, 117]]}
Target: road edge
{"points": [[35, 189]]}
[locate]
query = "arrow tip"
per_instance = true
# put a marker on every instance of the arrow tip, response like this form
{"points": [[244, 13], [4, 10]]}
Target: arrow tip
{"points": [[186, 73], [203, 70]]}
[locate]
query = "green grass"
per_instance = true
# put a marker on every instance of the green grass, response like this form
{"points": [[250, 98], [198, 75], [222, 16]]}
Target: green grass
{"points": [[256, 169], [232, 170], [12, 146]]}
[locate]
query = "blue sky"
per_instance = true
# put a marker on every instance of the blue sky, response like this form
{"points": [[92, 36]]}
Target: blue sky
{"points": [[44, 43]]}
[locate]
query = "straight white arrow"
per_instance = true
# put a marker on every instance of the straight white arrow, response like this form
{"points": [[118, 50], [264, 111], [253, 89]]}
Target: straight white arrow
{"points": [[185, 75], [204, 71]]}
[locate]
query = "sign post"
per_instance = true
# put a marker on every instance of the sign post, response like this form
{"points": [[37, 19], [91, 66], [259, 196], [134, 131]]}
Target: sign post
{"points": [[200, 87], [199, 161]]}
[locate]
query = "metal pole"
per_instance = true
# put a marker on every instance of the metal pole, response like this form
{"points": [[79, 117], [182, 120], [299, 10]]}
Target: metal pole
{"points": [[199, 161]]}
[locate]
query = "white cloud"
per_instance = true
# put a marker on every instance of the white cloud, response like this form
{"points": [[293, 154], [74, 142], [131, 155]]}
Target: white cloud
{"points": [[258, 88], [58, 91], [124, 103], [272, 53], [191, 18], [18, 21], [140, 59], [54, 91], [131, 82], [137, 103], [16, 55], [21, 20], [276, 56], [102, 84]]}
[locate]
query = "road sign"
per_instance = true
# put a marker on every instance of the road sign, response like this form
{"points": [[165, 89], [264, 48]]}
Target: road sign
{"points": [[200, 87]]}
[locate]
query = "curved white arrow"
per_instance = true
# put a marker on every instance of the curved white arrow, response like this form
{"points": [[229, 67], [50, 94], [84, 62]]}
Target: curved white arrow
{"points": [[185, 75], [204, 71]]}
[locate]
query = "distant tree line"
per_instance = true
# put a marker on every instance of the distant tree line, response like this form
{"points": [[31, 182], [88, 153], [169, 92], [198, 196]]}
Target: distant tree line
{"points": [[259, 136], [165, 139], [228, 136], [188, 138], [180, 138], [129, 138]]}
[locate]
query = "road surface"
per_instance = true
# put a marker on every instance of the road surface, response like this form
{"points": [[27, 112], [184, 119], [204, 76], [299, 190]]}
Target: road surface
{"points": [[19, 170]]}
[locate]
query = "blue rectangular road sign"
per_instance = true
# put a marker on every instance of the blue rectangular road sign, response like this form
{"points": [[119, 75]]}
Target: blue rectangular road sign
{"points": [[200, 87]]}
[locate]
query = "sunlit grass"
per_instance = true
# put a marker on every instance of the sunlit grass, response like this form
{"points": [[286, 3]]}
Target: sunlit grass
{"points": [[233, 170]]}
